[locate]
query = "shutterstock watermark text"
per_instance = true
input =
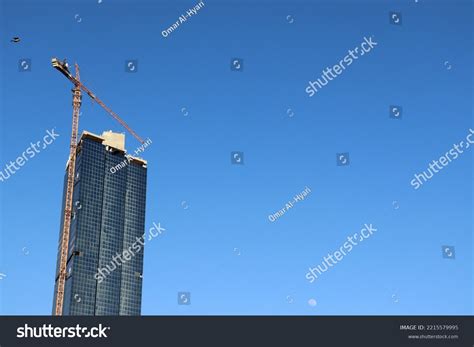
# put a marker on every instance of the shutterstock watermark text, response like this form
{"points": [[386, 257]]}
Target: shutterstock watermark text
{"points": [[331, 73]]}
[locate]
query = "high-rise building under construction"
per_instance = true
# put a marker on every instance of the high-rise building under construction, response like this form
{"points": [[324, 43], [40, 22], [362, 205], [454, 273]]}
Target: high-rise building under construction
{"points": [[108, 217]]}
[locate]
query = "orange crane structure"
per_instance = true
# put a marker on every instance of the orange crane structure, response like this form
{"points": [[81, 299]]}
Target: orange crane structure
{"points": [[76, 103]]}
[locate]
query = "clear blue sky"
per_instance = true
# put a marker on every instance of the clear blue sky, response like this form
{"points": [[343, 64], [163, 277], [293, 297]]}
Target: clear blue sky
{"points": [[399, 270]]}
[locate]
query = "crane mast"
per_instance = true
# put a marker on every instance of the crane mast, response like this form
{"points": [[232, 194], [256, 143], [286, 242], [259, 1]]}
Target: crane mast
{"points": [[71, 167]]}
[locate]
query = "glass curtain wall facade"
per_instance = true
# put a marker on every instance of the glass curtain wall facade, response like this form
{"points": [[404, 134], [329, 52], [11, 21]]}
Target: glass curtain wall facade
{"points": [[108, 217]]}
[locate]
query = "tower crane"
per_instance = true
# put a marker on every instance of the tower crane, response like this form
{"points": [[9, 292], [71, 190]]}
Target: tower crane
{"points": [[63, 67]]}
